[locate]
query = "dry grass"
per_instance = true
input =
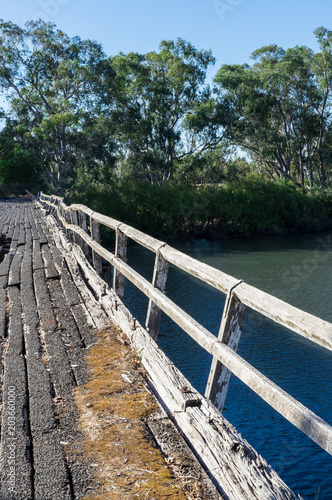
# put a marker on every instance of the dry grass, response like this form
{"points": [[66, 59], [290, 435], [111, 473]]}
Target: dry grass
{"points": [[113, 407]]}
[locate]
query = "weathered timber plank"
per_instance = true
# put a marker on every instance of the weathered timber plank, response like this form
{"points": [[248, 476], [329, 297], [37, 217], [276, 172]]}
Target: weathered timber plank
{"points": [[21, 235], [15, 464], [74, 220], [41, 235], [50, 270], [121, 253], [84, 225], [143, 239], [159, 279], [5, 264], [301, 322], [70, 290], [16, 230], [229, 334], [15, 270], [81, 208], [84, 308], [37, 256], [28, 240], [3, 298], [219, 280]]}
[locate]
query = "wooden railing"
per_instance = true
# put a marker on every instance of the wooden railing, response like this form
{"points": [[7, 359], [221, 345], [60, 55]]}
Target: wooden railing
{"points": [[82, 227]]}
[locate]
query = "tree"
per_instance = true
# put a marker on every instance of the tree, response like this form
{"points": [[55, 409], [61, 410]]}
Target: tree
{"points": [[279, 110], [322, 68], [219, 165], [53, 84], [165, 113]]}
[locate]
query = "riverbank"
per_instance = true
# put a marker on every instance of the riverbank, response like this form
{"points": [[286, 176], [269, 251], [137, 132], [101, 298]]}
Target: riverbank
{"points": [[175, 212]]}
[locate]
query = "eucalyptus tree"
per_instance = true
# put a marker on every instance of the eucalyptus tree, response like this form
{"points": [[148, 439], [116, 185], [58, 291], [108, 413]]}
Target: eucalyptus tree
{"points": [[279, 110], [322, 68], [53, 84], [166, 115]]}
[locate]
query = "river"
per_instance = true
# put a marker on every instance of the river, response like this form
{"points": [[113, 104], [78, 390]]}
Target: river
{"points": [[297, 269]]}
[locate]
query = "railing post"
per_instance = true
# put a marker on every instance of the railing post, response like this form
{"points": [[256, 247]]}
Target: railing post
{"points": [[84, 225], [95, 234], [69, 233], [159, 281], [121, 253], [55, 215], [58, 207], [74, 220], [229, 334], [50, 205], [62, 214]]}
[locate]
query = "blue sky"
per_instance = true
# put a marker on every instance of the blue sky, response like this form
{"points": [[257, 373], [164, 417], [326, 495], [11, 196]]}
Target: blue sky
{"points": [[232, 29]]}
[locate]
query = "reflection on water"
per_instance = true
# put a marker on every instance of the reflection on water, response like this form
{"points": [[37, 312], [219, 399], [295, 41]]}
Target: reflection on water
{"points": [[296, 269]]}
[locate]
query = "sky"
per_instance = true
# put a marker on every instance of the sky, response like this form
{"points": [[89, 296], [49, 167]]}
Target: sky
{"points": [[232, 29]]}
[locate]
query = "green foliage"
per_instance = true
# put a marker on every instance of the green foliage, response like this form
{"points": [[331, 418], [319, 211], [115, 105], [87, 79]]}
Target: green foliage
{"points": [[54, 90], [17, 165], [280, 106], [251, 206], [165, 113]]}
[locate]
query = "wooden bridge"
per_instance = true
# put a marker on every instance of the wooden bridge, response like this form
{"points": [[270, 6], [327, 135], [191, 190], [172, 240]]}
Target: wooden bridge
{"points": [[52, 301]]}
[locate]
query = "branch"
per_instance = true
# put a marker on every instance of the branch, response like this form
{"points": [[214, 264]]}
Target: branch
{"points": [[26, 101]]}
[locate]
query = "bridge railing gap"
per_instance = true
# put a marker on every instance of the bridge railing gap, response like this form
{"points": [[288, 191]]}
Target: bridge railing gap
{"points": [[240, 296]]}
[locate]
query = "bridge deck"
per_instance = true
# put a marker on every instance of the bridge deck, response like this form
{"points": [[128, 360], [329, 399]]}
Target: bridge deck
{"points": [[48, 318], [44, 334]]}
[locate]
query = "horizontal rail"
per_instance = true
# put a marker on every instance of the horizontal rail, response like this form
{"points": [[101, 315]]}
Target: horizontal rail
{"points": [[307, 325]]}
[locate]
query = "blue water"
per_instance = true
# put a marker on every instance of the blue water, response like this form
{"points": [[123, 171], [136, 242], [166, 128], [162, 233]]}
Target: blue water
{"points": [[296, 269]]}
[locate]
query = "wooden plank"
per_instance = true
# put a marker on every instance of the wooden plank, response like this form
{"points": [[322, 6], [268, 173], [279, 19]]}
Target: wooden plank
{"points": [[296, 413], [121, 253], [219, 280], [229, 334], [81, 208], [300, 322], [158, 281], [61, 213], [143, 239]]}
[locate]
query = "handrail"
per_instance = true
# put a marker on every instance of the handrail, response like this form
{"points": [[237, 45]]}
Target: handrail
{"points": [[239, 296]]}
